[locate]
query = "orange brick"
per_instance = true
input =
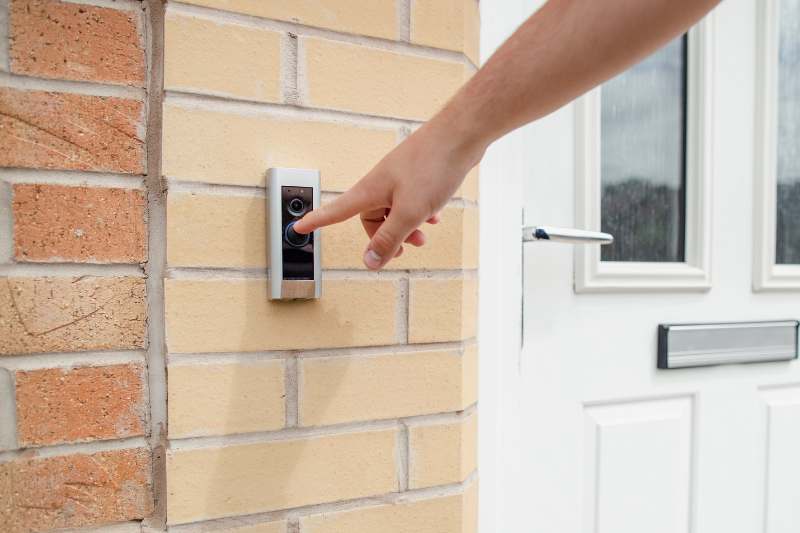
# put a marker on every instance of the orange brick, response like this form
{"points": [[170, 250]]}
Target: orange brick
{"points": [[79, 224], [75, 490], [71, 314], [53, 39], [81, 404], [71, 131]]}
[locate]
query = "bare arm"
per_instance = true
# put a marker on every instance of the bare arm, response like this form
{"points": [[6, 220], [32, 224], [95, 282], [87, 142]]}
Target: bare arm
{"points": [[563, 50]]}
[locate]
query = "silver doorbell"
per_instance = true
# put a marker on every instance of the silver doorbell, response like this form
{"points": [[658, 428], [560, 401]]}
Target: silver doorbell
{"points": [[294, 258]]}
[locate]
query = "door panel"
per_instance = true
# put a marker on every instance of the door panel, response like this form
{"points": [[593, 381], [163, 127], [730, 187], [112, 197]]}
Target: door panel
{"points": [[638, 469], [608, 443], [783, 460]]}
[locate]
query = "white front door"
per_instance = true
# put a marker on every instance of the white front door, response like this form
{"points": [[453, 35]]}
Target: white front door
{"points": [[692, 160]]}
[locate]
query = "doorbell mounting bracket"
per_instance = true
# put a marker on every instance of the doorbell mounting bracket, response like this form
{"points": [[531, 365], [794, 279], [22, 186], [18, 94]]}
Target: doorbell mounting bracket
{"points": [[294, 258]]}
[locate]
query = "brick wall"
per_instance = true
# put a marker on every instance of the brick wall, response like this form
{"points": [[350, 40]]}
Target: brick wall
{"points": [[133, 257], [356, 412], [75, 421]]}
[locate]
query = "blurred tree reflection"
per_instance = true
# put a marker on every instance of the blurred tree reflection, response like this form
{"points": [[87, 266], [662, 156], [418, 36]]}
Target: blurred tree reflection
{"points": [[788, 225], [645, 219]]}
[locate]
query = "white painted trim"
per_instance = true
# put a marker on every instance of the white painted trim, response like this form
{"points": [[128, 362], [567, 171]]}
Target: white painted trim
{"points": [[504, 169], [594, 275], [766, 274]]}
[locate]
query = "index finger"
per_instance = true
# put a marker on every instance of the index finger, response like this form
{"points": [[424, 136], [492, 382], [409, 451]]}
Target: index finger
{"points": [[347, 205]]}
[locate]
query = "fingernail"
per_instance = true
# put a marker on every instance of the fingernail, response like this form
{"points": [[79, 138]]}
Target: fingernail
{"points": [[372, 260]]}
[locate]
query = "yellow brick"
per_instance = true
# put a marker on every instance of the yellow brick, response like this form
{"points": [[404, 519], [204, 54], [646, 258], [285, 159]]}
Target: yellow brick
{"points": [[448, 24], [210, 483], [470, 509], [236, 149], [235, 315], [377, 18], [472, 31], [224, 59], [269, 527], [471, 237], [470, 372], [448, 514], [442, 453], [451, 244], [216, 231], [220, 399], [469, 187], [349, 388], [377, 82], [442, 310]]}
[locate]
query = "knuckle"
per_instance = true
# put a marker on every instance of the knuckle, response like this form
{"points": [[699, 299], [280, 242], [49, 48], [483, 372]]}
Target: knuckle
{"points": [[384, 241], [408, 217]]}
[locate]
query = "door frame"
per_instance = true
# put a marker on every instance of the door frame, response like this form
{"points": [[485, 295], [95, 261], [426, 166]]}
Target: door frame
{"points": [[500, 332]]}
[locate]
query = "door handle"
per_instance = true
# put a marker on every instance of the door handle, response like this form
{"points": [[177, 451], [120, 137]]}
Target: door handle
{"points": [[567, 235], [547, 233]]}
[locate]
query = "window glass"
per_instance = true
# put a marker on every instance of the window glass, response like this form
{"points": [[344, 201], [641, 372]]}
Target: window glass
{"points": [[788, 220], [643, 160]]}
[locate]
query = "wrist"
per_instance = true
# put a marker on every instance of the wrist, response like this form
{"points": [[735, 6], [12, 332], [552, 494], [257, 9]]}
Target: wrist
{"points": [[455, 128]]}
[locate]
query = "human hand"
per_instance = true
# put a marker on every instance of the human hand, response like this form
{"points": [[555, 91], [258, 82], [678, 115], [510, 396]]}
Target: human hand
{"points": [[408, 187]]}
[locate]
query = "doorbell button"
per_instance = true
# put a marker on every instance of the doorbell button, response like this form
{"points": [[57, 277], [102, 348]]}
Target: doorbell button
{"points": [[298, 240]]}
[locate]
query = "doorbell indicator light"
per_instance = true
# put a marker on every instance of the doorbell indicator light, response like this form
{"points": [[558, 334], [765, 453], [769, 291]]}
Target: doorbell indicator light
{"points": [[294, 258]]}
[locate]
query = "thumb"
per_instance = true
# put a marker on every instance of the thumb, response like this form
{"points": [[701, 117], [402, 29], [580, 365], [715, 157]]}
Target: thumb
{"points": [[387, 240], [345, 206]]}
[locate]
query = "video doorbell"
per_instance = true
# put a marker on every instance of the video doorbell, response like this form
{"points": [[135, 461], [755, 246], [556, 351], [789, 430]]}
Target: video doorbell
{"points": [[294, 258]]}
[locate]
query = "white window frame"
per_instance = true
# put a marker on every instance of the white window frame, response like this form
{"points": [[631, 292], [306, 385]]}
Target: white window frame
{"points": [[767, 274], [694, 274]]}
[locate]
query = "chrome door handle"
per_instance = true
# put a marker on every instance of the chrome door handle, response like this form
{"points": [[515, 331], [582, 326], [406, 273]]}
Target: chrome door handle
{"points": [[568, 235]]}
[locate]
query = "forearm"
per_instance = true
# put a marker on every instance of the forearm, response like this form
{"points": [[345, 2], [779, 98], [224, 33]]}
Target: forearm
{"points": [[560, 52], [563, 50]]}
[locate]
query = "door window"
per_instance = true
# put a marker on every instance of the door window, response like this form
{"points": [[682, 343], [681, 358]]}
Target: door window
{"points": [[777, 174], [788, 194], [642, 156]]}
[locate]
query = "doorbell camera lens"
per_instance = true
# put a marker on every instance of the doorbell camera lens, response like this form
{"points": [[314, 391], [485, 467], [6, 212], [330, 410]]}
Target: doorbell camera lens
{"points": [[297, 240], [297, 206]]}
